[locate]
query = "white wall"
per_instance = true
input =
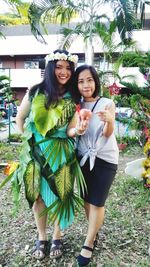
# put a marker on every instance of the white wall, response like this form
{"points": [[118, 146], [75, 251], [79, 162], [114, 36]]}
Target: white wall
{"points": [[24, 77], [28, 45]]}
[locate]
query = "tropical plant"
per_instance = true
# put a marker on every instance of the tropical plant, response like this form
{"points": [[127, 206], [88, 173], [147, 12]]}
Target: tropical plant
{"points": [[6, 20], [6, 92], [89, 15], [16, 5], [146, 164], [134, 59], [129, 56], [4, 86], [89, 12], [5, 89], [17, 14], [138, 100], [111, 60]]}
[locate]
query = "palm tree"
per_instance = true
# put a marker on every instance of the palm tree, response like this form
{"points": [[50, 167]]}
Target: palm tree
{"points": [[89, 14], [88, 10]]}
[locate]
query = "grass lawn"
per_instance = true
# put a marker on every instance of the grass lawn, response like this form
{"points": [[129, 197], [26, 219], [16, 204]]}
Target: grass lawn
{"points": [[124, 237]]}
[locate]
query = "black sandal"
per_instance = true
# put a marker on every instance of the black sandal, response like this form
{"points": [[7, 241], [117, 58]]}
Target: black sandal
{"points": [[41, 249], [84, 261], [56, 250]]}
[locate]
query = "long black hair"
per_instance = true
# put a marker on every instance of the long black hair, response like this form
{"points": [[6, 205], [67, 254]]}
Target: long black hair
{"points": [[50, 86], [75, 92]]}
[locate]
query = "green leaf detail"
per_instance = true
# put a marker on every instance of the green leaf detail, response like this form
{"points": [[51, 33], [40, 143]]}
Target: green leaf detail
{"points": [[16, 186], [63, 208], [45, 119], [56, 151], [80, 181], [6, 180], [32, 179], [68, 112], [64, 182]]}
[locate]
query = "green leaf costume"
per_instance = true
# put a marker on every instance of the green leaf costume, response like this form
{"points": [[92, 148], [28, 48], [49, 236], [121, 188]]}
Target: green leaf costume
{"points": [[48, 165]]}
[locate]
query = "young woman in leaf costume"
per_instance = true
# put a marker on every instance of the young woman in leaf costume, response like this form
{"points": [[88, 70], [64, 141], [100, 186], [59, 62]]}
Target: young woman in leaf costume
{"points": [[48, 164]]}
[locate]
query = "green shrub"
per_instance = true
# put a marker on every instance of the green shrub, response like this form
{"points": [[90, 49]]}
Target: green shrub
{"points": [[15, 138]]}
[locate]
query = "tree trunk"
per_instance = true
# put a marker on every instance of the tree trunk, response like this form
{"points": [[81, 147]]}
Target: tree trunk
{"points": [[89, 53]]}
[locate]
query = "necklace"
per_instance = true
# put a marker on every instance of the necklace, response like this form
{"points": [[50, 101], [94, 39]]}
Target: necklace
{"points": [[95, 103]]}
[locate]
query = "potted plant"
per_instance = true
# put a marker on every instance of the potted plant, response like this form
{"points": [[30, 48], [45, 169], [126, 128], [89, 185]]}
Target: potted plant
{"points": [[122, 144]]}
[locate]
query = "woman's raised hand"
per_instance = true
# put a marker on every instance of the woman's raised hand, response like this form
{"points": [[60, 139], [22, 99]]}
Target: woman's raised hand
{"points": [[105, 115], [83, 121]]}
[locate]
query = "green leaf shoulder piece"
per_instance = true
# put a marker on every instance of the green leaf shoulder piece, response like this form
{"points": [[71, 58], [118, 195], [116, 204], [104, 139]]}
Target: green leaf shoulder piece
{"points": [[54, 117], [45, 119]]}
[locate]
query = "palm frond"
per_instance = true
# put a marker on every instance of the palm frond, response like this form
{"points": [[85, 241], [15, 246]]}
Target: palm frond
{"points": [[135, 89], [35, 14], [50, 148], [69, 34], [80, 181], [125, 17], [6, 180], [58, 147], [42, 10], [50, 208], [63, 209], [4, 78], [16, 186], [67, 39]]}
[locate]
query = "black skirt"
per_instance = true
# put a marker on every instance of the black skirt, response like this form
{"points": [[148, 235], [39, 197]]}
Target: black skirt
{"points": [[98, 180]]}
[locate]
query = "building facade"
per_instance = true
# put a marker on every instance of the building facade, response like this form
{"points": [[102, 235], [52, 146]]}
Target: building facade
{"points": [[21, 55]]}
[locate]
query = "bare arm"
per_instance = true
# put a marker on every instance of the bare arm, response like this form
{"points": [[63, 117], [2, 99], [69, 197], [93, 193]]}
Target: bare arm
{"points": [[72, 126], [23, 112], [108, 116]]}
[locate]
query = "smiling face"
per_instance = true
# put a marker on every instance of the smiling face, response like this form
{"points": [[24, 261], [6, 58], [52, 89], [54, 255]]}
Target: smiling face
{"points": [[86, 85], [62, 72]]}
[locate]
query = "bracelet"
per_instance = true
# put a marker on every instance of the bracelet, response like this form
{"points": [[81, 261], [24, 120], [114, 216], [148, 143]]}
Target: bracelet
{"points": [[77, 132]]}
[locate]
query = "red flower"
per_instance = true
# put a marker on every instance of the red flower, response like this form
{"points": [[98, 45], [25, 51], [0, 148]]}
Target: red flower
{"points": [[78, 107], [114, 89], [146, 132]]}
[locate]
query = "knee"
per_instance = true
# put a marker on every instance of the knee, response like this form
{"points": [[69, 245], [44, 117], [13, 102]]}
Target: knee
{"points": [[99, 210], [37, 204]]}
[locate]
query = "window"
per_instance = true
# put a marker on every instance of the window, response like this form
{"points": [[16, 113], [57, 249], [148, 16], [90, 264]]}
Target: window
{"points": [[31, 64]]}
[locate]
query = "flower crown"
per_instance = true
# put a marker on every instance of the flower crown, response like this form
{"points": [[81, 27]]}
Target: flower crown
{"points": [[61, 56]]}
